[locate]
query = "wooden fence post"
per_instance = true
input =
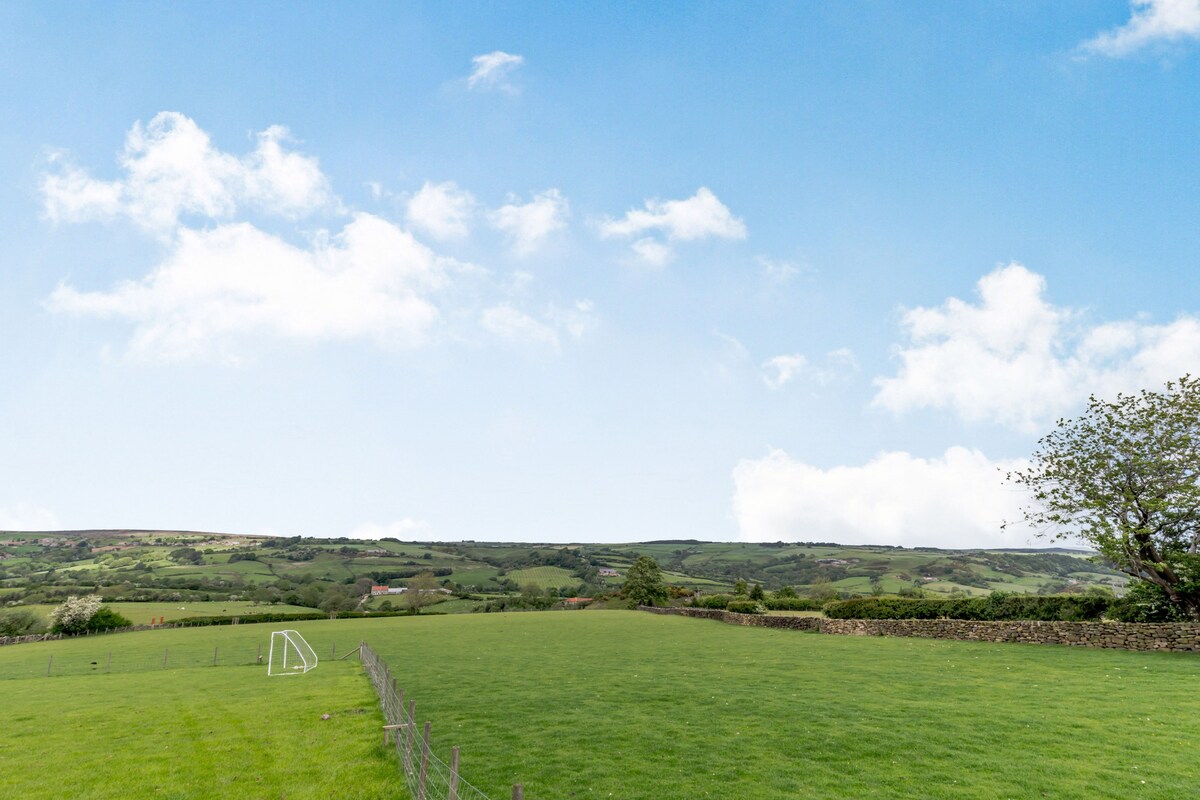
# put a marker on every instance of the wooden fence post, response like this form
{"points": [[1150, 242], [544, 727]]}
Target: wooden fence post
{"points": [[453, 795], [48, 666], [165, 651], [334, 656], [214, 656], [424, 763]]}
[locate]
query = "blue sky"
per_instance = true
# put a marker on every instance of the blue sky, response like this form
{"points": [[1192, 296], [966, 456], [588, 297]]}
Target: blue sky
{"points": [[553, 272]]}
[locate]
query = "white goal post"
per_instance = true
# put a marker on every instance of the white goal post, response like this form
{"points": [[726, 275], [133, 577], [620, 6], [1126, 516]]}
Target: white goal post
{"points": [[289, 654]]}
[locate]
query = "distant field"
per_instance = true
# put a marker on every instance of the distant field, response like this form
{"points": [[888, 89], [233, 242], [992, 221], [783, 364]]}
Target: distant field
{"points": [[142, 613], [661, 708], [545, 577]]}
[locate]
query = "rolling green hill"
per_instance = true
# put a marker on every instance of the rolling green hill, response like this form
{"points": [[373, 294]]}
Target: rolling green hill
{"points": [[179, 567]]}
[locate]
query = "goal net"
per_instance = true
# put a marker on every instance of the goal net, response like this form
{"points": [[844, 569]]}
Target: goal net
{"points": [[289, 654]]}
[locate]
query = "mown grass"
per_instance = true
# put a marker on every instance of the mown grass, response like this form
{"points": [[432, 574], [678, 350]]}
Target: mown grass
{"points": [[195, 732], [545, 577], [610, 704]]}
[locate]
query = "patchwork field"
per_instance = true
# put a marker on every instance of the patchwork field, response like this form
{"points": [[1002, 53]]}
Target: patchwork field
{"points": [[603, 704]]}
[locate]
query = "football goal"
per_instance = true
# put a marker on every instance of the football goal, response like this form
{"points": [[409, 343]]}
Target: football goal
{"points": [[289, 654]]}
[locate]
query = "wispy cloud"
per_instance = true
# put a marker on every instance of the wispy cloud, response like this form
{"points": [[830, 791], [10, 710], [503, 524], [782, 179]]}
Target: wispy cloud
{"points": [[492, 71], [1153, 22]]}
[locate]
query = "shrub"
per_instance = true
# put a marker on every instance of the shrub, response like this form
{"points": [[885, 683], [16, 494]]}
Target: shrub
{"points": [[19, 622], [997, 606], [74, 613], [746, 607], [1145, 602], [718, 601], [106, 619]]}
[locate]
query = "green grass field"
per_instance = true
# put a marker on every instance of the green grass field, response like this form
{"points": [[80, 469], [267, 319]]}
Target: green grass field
{"points": [[604, 704], [142, 613]]}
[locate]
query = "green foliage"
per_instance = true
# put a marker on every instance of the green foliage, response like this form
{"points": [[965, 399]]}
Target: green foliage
{"points": [[718, 601], [778, 603], [74, 613], [997, 606], [785, 592], [756, 593], [1125, 477], [746, 607], [740, 588], [105, 619], [1146, 602], [19, 622], [644, 582]]}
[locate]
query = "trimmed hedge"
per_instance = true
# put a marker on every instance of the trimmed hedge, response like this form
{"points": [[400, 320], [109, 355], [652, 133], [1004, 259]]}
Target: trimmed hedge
{"points": [[997, 606], [745, 607], [794, 604]]}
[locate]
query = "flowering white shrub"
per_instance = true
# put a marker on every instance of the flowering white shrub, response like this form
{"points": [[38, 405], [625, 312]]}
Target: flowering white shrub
{"points": [[75, 613]]}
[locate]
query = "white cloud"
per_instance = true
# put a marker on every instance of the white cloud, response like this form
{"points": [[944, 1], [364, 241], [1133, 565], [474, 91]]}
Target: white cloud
{"points": [[1152, 22], [370, 280], [780, 370], [492, 71], [172, 169], [507, 322], [577, 321], [653, 252], [23, 517], [1018, 360], [442, 210], [701, 216], [957, 500], [407, 528], [528, 224], [779, 272]]}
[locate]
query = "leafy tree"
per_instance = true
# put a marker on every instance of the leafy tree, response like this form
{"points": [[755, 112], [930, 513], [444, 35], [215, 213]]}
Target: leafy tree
{"points": [[421, 592], [644, 582], [756, 593], [740, 587], [785, 591], [1123, 477]]}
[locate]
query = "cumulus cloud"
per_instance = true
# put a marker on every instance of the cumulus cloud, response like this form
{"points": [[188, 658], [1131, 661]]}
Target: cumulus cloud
{"points": [[442, 210], [528, 224], [1153, 22], [23, 517], [372, 279], [407, 528], [492, 70], [171, 169], [701, 216], [1016, 359], [959, 499]]}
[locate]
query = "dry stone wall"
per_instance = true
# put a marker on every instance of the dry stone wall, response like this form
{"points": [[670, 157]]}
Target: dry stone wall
{"points": [[1175, 636]]}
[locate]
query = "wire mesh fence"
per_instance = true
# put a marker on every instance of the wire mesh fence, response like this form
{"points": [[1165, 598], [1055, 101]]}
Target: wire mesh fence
{"points": [[428, 776]]}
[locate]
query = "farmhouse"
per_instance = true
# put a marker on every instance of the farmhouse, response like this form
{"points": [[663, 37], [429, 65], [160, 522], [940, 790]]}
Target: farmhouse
{"points": [[606, 572], [377, 591]]}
